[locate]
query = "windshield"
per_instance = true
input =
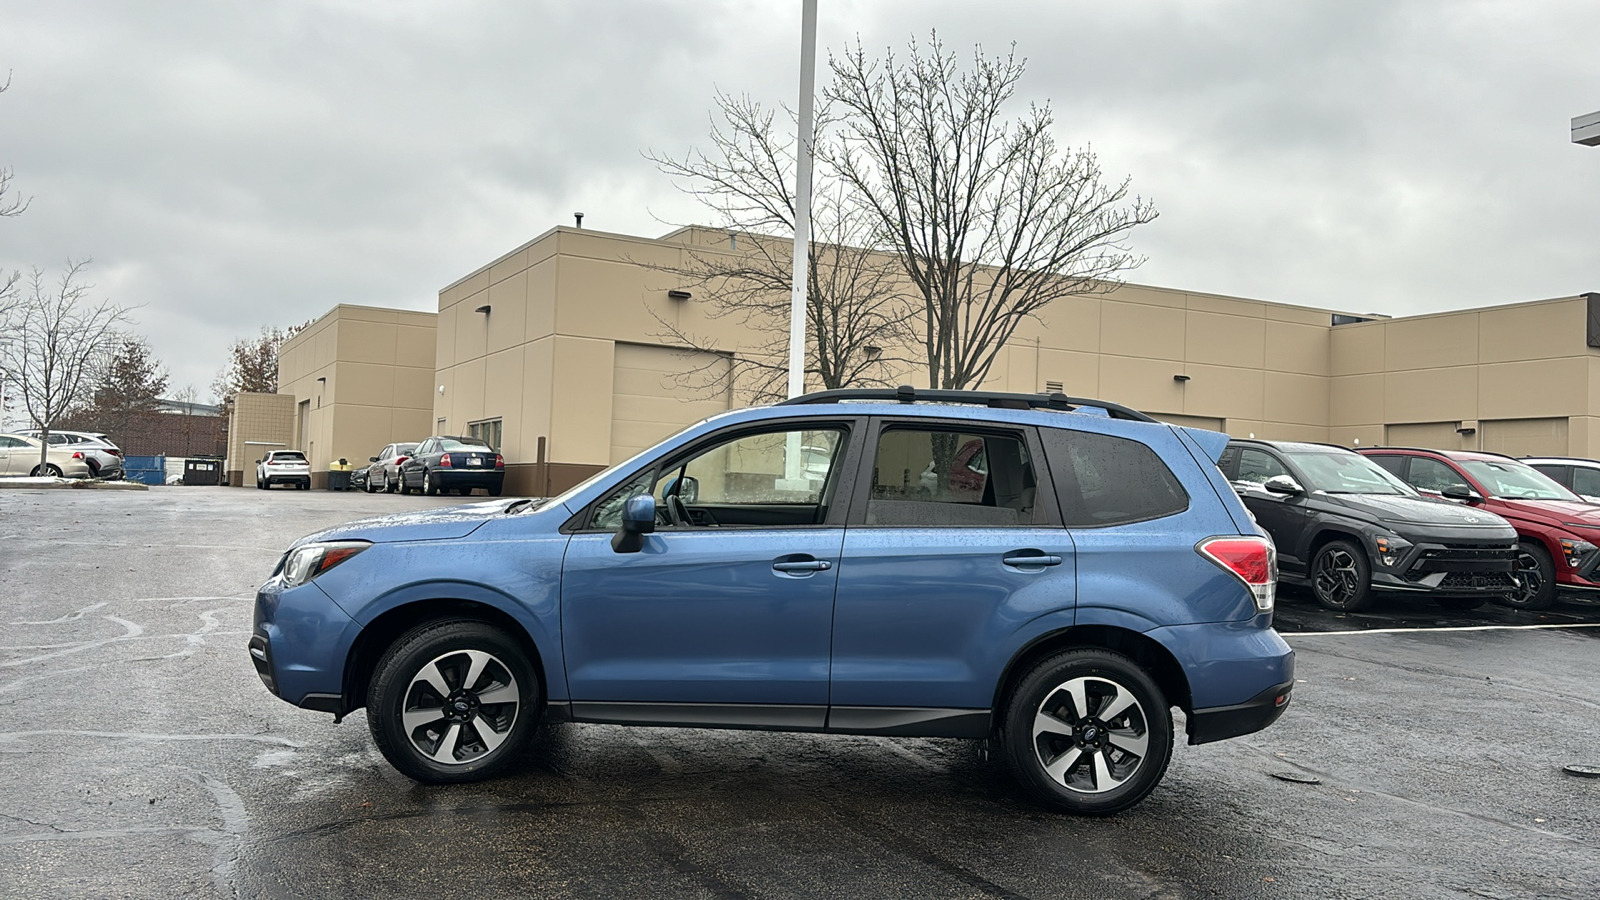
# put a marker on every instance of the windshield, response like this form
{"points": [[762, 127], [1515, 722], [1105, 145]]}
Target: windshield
{"points": [[1338, 472], [1510, 480]]}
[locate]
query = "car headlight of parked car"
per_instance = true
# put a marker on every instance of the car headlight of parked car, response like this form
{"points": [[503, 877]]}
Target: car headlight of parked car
{"points": [[1391, 549], [307, 561], [1576, 551]]}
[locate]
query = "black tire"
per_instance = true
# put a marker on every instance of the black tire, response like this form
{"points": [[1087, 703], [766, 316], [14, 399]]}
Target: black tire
{"points": [[389, 487], [49, 469], [1341, 577], [1461, 602], [367, 485], [465, 492], [1537, 574], [94, 468], [495, 491], [429, 489], [1106, 678], [398, 685]]}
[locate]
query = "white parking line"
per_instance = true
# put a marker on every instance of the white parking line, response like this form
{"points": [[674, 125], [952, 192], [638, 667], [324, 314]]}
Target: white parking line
{"points": [[1295, 634]]}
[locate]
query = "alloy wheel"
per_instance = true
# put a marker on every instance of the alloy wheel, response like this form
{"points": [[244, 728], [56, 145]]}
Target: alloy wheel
{"points": [[1091, 735], [1336, 579], [460, 707], [1530, 577]]}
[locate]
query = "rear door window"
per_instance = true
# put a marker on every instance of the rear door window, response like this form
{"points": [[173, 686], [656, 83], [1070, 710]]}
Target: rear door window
{"points": [[1103, 480], [1586, 481], [931, 476], [1431, 475]]}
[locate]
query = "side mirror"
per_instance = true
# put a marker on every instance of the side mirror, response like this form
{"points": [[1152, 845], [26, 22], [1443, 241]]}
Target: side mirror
{"points": [[1283, 484], [372, 459], [1460, 492], [638, 520], [258, 462]]}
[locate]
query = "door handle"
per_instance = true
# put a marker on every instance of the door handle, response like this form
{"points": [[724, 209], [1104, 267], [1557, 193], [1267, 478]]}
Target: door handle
{"points": [[802, 565], [1034, 558]]}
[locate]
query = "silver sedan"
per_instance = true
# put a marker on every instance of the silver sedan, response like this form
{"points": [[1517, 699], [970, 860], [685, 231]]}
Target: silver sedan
{"points": [[19, 455]]}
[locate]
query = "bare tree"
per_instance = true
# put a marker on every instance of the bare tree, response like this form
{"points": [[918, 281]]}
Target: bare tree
{"points": [[252, 366], [991, 220], [856, 312], [11, 202], [60, 339]]}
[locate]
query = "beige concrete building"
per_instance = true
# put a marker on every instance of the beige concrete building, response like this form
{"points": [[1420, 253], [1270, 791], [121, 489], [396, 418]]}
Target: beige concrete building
{"points": [[359, 378], [257, 424], [557, 352]]}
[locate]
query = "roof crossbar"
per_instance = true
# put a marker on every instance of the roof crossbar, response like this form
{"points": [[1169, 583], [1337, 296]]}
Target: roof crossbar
{"points": [[905, 393]]}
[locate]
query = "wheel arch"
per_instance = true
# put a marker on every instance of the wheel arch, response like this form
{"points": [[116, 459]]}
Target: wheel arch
{"points": [[377, 636], [1149, 653], [1328, 533]]}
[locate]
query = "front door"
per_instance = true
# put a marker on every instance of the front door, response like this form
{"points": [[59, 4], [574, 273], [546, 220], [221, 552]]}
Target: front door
{"points": [[724, 617], [950, 539]]}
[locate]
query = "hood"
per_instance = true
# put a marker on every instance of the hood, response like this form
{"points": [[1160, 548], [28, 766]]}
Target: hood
{"points": [[1565, 512], [441, 524], [1395, 509]]}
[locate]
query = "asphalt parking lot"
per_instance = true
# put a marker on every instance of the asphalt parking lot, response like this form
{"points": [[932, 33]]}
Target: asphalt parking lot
{"points": [[141, 757]]}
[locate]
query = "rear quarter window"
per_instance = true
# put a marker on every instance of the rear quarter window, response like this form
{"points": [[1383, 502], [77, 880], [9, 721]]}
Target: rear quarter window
{"points": [[1103, 480]]}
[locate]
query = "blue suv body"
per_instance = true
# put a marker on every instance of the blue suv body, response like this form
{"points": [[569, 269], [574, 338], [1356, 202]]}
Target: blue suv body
{"points": [[985, 565]]}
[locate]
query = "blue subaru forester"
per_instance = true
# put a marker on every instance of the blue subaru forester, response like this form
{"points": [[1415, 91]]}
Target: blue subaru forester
{"points": [[1052, 573]]}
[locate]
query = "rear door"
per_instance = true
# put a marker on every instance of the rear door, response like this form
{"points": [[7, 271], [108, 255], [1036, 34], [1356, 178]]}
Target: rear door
{"points": [[953, 542], [1284, 516]]}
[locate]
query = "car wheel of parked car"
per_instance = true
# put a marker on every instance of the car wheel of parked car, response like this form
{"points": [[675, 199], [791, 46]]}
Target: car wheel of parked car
{"points": [[47, 469], [1537, 577], [1088, 732], [453, 701], [465, 492], [495, 491], [1341, 577], [389, 486]]}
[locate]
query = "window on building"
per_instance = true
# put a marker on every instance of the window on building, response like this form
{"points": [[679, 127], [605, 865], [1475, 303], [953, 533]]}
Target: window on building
{"points": [[487, 431]]}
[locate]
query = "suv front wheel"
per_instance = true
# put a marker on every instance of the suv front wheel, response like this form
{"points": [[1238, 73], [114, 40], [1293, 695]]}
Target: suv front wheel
{"points": [[1536, 578], [1088, 732], [1341, 577], [453, 701]]}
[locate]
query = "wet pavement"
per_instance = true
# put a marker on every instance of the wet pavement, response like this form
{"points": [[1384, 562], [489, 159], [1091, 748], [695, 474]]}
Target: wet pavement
{"points": [[141, 757]]}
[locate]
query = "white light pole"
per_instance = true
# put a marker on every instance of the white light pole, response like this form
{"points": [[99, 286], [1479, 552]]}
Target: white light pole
{"points": [[802, 200]]}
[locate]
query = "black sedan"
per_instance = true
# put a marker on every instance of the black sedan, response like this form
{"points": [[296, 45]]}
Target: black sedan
{"points": [[444, 463]]}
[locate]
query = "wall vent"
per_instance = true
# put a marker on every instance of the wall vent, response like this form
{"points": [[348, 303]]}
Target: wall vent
{"points": [[1053, 387]]}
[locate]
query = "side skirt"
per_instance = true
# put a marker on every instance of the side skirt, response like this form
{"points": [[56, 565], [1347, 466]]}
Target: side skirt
{"points": [[876, 720]]}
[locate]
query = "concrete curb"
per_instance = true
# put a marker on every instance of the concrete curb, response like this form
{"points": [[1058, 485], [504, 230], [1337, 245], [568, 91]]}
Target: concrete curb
{"points": [[74, 484]]}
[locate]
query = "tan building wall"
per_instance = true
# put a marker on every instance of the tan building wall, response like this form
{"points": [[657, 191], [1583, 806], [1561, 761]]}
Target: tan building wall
{"points": [[564, 341], [1516, 379], [359, 378], [257, 423]]}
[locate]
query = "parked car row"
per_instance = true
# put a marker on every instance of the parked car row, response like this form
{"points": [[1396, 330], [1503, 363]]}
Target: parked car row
{"points": [[19, 456], [1461, 527], [438, 465]]}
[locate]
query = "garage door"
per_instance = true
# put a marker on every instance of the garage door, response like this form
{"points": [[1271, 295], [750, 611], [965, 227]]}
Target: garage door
{"points": [[658, 390], [1428, 435], [1525, 437]]}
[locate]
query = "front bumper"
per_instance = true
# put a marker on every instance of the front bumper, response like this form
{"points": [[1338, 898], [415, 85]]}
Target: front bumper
{"points": [[1451, 570], [298, 645]]}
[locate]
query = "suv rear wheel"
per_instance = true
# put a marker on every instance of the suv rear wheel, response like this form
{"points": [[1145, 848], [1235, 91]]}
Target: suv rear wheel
{"points": [[453, 701], [1341, 577], [1536, 574], [1088, 732]]}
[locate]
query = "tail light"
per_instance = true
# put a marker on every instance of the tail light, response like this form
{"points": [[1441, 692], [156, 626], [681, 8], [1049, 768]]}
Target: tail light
{"points": [[1250, 558], [114, 452], [499, 461], [400, 459], [77, 454], [444, 460]]}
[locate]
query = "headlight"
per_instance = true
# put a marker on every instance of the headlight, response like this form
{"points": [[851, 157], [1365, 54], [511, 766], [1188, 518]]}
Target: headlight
{"points": [[1391, 549], [310, 560], [1576, 551]]}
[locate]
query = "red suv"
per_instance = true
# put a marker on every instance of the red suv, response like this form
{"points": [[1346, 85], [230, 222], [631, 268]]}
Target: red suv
{"points": [[1557, 532]]}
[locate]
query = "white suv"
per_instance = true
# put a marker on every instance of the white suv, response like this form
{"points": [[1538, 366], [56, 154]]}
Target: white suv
{"points": [[103, 457], [1578, 475], [283, 467]]}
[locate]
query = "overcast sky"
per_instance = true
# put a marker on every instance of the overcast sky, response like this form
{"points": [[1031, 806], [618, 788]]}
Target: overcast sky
{"points": [[231, 165]]}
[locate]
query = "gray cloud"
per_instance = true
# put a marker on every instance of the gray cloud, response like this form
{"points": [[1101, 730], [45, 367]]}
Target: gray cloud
{"points": [[237, 165]]}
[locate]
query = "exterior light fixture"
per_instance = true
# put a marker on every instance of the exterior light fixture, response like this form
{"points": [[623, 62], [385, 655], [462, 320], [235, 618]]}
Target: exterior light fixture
{"points": [[1180, 378], [483, 309], [324, 378], [676, 294], [441, 390]]}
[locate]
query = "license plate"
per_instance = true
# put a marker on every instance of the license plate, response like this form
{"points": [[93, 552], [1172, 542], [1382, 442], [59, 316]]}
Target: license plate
{"points": [[474, 461]]}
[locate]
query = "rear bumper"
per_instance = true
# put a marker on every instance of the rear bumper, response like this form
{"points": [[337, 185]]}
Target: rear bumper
{"points": [[460, 478], [1222, 722]]}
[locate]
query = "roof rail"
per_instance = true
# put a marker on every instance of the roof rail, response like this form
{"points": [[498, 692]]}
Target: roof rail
{"points": [[1437, 450], [905, 393]]}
